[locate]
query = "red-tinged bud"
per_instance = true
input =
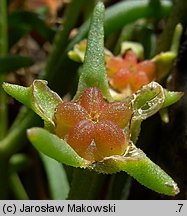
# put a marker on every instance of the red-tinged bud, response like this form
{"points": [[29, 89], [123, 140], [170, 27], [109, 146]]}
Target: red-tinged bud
{"points": [[138, 80], [128, 74], [68, 114], [92, 100], [117, 112], [149, 68], [121, 79], [109, 139], [114, 65], [130, 58], [93, 127], [81, 139]]}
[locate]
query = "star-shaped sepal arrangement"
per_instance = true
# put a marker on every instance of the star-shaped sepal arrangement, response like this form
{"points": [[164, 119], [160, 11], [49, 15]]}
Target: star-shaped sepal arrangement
{"points": [[93, 131]]}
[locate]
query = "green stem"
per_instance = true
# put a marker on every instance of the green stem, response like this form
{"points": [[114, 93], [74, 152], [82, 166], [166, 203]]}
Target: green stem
{"points": [[86, 184], [177, 15], [119, 187], [3, 51], [176, 38], [3, 28], [15, 139], [3, 110], [17, 187]]}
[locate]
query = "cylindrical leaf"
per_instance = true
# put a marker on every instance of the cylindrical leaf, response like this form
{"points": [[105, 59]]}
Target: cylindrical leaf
{"points": [[139, 166], [54, 147], [93, 73]]}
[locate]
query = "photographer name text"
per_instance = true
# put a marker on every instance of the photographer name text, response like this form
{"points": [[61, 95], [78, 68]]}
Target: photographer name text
{"points": [[68, 208]]}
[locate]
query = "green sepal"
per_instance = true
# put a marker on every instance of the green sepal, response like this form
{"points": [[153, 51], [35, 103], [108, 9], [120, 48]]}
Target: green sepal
{"points": [[93, 72], [78, 52], [39, 97], [148, 100], [54, 147], [137, 48], [140, 167], [171, 97], [145, 103], [164, 62]]}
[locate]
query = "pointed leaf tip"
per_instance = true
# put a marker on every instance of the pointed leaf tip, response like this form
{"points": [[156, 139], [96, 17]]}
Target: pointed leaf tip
{"points": [[38, 97], [20, 93], [93, 72], [141, 168]]}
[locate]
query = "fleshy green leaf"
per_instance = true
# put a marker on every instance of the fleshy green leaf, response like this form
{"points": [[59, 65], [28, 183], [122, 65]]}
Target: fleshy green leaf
{"points": [[20, 93], [140, 167], [54, 147], [14, 62], [38, 97], [147, 101], [93, 73]]}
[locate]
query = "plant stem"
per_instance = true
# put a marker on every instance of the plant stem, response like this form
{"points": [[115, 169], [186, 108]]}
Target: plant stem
{"points": [[3, 29], [3, 101], [86, 184], [178, 15], [3, 51], [17, 187], [15, 139]]}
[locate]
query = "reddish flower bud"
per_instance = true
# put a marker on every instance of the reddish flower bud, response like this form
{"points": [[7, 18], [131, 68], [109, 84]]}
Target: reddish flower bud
{"points": [[149, 68], [117, 112], [109, 139], [67, 115], [127, 74], [92, 100], [93, 127], [138, 79], [121, 79], [114, 65], [81, 139]]}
